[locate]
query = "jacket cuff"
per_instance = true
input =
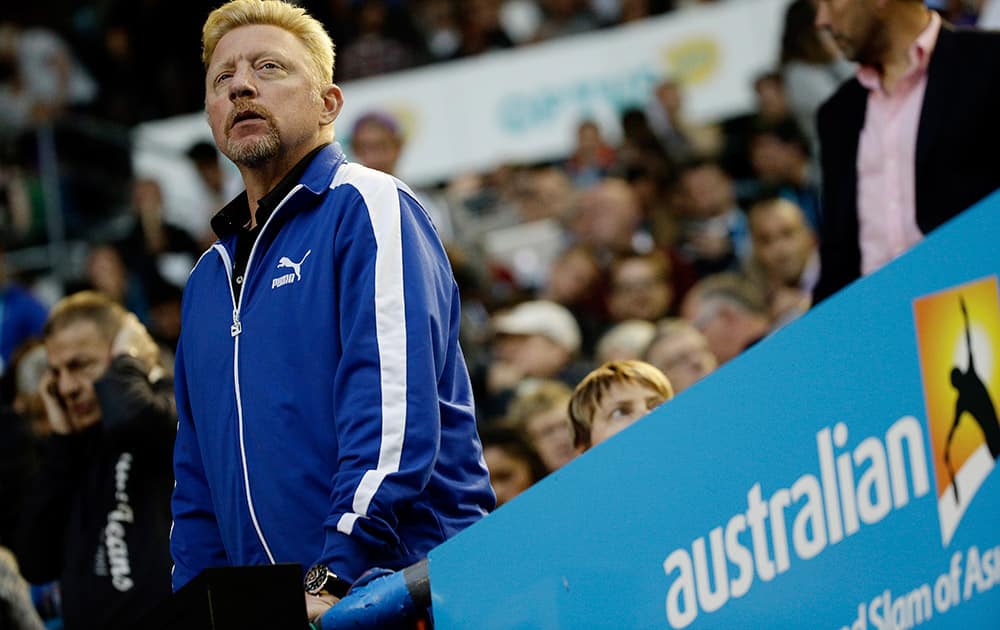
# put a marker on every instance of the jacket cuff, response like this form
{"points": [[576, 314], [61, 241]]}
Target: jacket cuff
{"points": [[121, 366], [345, 556]]}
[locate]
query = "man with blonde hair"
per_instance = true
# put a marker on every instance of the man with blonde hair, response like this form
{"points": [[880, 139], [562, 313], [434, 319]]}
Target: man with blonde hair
{"points": [[326, 414], [98, 516]]}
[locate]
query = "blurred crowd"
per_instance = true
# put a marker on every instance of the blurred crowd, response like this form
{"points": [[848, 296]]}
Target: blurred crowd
{"points": [[127, 62], [681, 246]]}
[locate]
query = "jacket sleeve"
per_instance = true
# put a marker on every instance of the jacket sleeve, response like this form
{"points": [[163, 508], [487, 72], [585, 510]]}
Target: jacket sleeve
{"points": [[135, 413], [195, 541], [395, 293]]}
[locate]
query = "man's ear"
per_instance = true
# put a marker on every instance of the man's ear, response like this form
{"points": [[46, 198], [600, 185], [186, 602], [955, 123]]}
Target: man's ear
{"points": [[333, 102]]}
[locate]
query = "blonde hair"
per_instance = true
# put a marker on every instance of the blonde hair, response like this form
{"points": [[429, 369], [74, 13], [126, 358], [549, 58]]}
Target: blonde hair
{"points": [[289, 17], [590, 392], [89, 306]]}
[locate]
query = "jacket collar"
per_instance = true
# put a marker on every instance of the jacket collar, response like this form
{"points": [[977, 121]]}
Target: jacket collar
{"points": [[316, 177]]}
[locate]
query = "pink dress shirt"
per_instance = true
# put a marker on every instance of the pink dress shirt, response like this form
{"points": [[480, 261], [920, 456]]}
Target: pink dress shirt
{"points": [[887, 215]]}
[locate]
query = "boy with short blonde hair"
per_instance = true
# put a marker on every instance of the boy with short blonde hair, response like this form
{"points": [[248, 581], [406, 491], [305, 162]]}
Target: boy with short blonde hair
{"points": [[614, 396]]}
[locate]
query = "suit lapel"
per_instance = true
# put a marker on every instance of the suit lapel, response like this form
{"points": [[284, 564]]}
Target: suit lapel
{"points": [[942, 83]]}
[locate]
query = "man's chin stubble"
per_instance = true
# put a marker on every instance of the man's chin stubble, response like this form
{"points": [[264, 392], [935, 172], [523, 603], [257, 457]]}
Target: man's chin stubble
{"points": [[253, 153]]}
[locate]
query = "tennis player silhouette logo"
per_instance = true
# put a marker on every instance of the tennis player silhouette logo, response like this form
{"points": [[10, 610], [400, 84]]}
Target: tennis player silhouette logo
{"points": [[973, 400], [958, 339]]}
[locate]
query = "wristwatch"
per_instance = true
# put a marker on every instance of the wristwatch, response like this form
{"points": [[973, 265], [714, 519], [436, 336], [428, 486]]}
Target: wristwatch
{"points": [[320, 580]]}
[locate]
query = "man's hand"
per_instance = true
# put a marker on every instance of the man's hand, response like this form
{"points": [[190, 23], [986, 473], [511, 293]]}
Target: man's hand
{"points": [[54, 409], [316, 605], [134, 340]]}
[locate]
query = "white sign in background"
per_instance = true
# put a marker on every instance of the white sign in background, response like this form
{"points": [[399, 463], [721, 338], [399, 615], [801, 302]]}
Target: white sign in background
{"points": [[524, 105]]}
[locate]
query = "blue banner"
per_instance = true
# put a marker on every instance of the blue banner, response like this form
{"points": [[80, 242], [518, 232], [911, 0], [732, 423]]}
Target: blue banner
{"points": [[837, 475]]}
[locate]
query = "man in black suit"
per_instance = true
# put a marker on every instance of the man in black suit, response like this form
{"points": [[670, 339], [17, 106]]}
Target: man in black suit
{"points": [[911, 141]]}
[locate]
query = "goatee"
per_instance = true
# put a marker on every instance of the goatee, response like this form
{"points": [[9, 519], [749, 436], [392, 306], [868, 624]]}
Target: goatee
{"points": [[256, 151], [251, 152]]}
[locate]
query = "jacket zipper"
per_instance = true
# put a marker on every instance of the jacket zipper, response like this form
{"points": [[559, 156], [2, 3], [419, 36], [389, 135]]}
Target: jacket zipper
{"points": [[235, 330]]}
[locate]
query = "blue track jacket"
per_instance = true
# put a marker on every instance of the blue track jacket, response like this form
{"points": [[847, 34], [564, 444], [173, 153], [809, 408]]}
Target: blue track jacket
{"points": [[326, 416]]}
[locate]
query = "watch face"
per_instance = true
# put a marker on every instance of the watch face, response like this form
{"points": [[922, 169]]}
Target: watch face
{"points": [[315, 579]]}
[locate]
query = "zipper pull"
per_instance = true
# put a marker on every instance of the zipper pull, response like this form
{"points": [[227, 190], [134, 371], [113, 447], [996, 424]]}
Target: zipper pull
{"points": [[237, 327]]}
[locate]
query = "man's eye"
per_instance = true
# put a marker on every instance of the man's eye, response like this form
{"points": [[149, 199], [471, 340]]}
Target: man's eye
{"points": [[270, 65], [223, 77]]}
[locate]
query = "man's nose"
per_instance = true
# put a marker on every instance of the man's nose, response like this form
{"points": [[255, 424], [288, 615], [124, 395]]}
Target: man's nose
{"points": [[68, 385], [242, 85]]}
